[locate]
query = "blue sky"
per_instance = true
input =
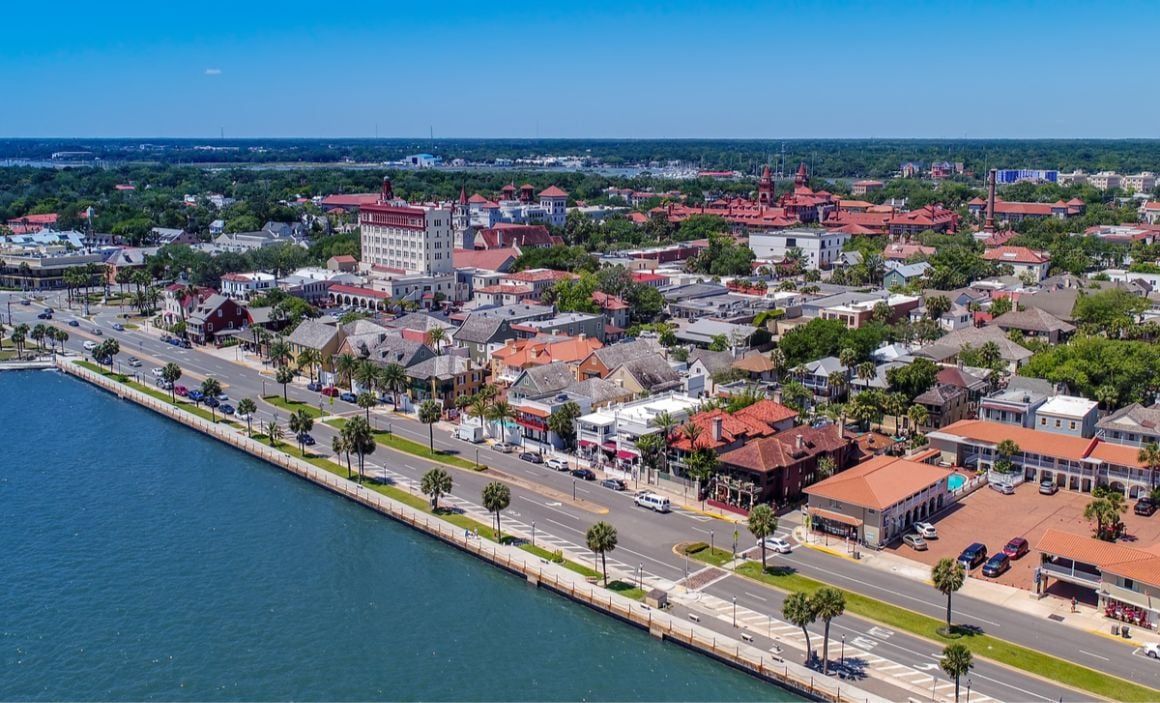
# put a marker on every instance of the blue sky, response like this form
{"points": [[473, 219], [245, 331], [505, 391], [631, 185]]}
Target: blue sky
{"points": [[722, 69]]}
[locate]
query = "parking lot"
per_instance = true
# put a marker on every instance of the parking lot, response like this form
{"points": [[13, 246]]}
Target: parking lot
{"points": [[992, 518]]}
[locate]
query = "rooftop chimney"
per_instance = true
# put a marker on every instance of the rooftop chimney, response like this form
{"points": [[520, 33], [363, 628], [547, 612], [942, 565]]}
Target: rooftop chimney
{"points": [[798, 441], [989, 223], [717, 423], [388, 192]]}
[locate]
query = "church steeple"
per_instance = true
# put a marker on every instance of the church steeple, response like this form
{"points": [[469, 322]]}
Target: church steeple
{"points": [[802, 178], [765, 188]]}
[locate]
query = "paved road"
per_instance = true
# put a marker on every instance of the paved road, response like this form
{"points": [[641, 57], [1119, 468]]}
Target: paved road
{"points": [[646, 541]]}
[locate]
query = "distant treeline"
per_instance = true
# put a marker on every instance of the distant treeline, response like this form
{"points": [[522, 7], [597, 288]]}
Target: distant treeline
{"points": [[829, 158]]}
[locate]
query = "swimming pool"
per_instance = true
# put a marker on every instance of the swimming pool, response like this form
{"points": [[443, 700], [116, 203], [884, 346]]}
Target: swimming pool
{"points": [[956, 481]]}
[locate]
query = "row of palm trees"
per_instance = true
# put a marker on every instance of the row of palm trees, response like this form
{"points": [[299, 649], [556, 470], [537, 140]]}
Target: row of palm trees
{"points": [[39, 333]]}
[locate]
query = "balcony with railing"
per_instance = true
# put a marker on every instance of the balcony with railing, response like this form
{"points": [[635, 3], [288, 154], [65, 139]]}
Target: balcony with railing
{"points": [[1072, 572]]}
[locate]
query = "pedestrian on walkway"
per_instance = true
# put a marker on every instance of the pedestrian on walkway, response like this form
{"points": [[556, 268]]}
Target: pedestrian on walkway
{"points": [[1074, 603]]}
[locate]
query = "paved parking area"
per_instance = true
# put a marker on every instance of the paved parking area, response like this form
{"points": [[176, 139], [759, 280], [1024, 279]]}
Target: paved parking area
{"points": [[992, 518]]}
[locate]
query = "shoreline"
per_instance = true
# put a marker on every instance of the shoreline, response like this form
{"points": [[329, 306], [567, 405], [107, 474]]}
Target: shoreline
{"points": [[735, 653]]}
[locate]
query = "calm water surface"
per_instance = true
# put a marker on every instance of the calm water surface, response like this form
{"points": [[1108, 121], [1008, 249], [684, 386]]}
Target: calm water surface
{"points": [[142, 561]]}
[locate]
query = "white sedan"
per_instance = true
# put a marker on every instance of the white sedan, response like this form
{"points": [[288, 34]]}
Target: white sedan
{"points": [[157, 371], [1152, 650], [926, 530], [778, 545]]}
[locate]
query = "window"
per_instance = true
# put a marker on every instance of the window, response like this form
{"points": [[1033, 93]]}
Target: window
{"points": [[1043, 421], [1058, 423], [1071, 424]]}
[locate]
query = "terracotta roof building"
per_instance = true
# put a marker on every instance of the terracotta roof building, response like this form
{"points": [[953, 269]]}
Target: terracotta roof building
{"points": [[1121, 576], [776, 468]]}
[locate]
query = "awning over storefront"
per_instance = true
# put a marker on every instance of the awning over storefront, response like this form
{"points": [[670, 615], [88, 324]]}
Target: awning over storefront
{"points": [[587, 443], [627, 456], [835, 517], [610, 446]]}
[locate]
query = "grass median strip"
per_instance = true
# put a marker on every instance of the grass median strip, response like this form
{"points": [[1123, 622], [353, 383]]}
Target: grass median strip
{"points": [[394, 441], [159, 395], [292, 406], [980, 644]]}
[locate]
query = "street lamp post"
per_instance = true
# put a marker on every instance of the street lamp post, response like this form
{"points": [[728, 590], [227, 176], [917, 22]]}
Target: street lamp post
{"points": [[640, 577], [263, 388], [968, 691], [533, 530], [734, 611], [476, 459], [843, 655], [573, 489], [712, 547], [686, 566]]}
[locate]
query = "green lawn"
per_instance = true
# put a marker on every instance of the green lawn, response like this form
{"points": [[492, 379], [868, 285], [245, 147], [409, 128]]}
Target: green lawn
{"points": [[981, 645], [292, 406], [161, 395], [394, 441], [702, 552], [627, 589]]}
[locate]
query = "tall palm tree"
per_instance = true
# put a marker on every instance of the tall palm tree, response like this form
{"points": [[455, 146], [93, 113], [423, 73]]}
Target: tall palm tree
{"points": [[436, 482], [501, 412], [429, 413], [279, 352], [344, 366], [284, 375], [364, 374], [1005, 450], [394, 379], [171, 373], [247, 407], [777, 358], [866, 372], [367, 400], [1149, 456], [836, 381], [273, 432], [339, 446], [435, 337], [301, 422], [948, 576], [956, 661], [848, 357], [360, 439], [601, 539], [918, 416], [211, 388], [308, 359], [828, 604], [60, 336], [496, 498], [37, 335], [798, 609], [762, 523], [478, 408], [990, 354], [896, 404]]}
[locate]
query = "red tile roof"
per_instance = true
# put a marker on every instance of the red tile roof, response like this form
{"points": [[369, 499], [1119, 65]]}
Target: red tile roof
{"points": [[553, 192], [768, 411], [879, 482], [1015, 255], [487, 259], [356, 290], [781, 450]]}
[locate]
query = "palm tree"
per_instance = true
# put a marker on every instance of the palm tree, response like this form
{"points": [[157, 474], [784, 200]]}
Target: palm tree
{"points": [[284, 375], [896, 404], [762, 524], [308, 359], [435, 337], [836, 381], [17, 337], [956, 661], [367, 400], [948, 576], [274, 432], [496, 498], [60, 336], [364, 375], [301, 422], [601, 539], [777, 358], [918, 416], [828, 604], [171, 373], [37, 335], [279, 352], [848, 357], [247, 407], [429, 413], [360, 439], [211, 388], [665, 422], [866, 372], [1005, 450], [989, 354], [339, 446], [344, 366], [479, 408], [701, 465], [798, 609], [1149, 456], [394, 379], [436, 482], [501, 412]]}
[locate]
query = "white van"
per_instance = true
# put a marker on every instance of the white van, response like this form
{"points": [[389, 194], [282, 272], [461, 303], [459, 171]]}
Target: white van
{"points": [[651, 500]]}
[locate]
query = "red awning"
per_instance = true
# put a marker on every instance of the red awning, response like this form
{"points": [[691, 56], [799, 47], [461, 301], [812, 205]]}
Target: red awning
{"points": [[610, 446], [586, 443], [835, 517], [627, 456]]}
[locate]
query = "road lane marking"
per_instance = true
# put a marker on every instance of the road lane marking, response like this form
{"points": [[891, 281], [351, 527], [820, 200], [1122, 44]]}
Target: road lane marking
{"points": [[1081, 651], [754, 595]]}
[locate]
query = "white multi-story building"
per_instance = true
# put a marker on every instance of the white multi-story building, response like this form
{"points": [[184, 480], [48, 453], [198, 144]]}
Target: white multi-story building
{"points": [[409, 238], [1104, 180], [609, 436], [242, 286], [819, 248], [1144, 182]]}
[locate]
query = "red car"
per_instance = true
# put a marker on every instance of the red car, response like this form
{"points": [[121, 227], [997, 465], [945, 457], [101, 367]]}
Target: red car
{"points": [[180, 390], [1016, 548], [330, 391]]}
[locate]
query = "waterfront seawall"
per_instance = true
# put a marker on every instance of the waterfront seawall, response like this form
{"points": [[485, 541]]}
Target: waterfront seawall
{"points": [[536, 571]]}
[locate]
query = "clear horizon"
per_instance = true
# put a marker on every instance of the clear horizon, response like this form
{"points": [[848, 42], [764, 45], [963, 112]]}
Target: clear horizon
{"points": [[743, 70]]}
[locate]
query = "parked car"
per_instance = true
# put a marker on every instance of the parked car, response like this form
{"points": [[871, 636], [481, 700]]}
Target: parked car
{"points": [[212, 402], [1144, 507], [244, 417], [314, 386], [973, 555], [613, 484], [997, 565], [156, 371], [586, 474], [1016, 548], [557, 464], [134, 362], [305, 439], [1048, 487], [165, 338], [1004, 488], [778, 545], [329, 392], [118, 326], [657, 503], [915, 542], [73, 323], [926, 530], [532, 457], [195, 395], [184, 344], [89, 345], [505, 447], [180, 390], [161, 382], [226, 409], [348, 397], [223, 397], [44, 316], [1152, 650]]}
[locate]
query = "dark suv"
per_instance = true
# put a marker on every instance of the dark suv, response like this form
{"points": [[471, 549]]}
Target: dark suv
{"points": [[1144, 507], [973, 555]]}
